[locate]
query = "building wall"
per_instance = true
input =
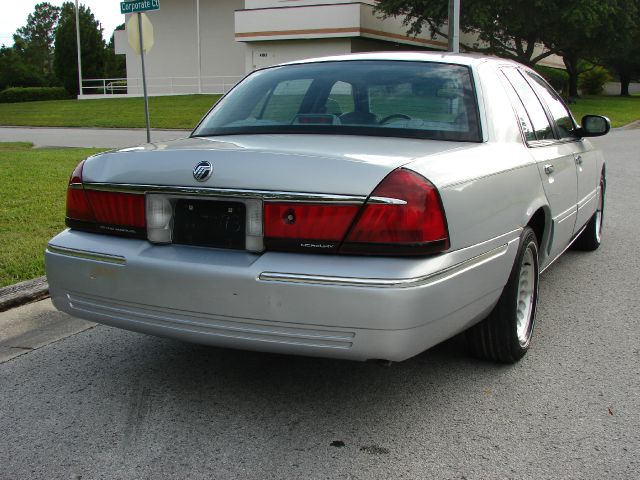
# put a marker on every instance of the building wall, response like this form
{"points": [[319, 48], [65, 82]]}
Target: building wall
{"points": [[239, 36], [264, 54], [613, 88], [172, 65]]}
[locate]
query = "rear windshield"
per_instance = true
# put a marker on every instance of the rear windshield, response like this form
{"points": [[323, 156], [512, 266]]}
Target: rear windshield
{"points": [[382, 98]]}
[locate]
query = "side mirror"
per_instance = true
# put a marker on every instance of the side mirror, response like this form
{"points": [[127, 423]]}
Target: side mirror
{"points": [[594, 126]]}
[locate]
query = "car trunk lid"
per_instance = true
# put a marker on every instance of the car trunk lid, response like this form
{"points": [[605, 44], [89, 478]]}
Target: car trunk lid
{"points": [[328, 164]]}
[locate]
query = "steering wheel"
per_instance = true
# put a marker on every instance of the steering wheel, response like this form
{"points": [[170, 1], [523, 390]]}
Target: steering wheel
{"points": [[392, 116]]}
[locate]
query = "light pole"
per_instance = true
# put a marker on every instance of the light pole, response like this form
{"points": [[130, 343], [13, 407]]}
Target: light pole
{"points": [[454, 26], [78, 41]]}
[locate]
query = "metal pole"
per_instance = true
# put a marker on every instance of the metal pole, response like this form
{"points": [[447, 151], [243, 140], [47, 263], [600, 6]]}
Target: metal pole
{"points": [[144, 78], [454, 26], [79, 54], [199, 46]]}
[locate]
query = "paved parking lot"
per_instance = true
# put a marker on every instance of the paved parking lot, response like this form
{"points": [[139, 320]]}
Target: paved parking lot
{"points": [[106, 403]]}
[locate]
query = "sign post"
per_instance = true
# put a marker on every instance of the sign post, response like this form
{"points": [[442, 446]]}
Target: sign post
{"points": [[454, 26], [137, 7], [144, 78]]}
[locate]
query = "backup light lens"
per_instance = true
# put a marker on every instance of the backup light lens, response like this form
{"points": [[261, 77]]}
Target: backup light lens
{"points": [[159, 215]]}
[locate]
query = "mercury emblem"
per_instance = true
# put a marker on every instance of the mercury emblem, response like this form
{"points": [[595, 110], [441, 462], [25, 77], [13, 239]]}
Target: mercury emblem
{"points": [[202, 171]]}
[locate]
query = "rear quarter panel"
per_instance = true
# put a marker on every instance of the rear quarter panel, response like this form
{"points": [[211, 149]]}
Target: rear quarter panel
{"points": [[492, 188]]}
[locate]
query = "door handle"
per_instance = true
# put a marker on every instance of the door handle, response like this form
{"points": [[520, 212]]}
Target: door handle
{"points": [[579, 159], [548, 169]]}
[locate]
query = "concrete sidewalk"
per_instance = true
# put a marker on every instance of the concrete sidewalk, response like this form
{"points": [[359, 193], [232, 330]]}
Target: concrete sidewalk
{"points": [[86, 137], [29, 327]]}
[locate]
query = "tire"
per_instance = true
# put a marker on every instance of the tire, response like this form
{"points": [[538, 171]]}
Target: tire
{"points": [[591, 237], [505, 335]]}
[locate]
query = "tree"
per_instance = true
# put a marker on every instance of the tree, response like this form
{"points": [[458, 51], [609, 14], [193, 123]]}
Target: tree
{"points": [[625, 60], [15, 72], [92, 47], [115, 65], [34, 41], [573, 29], [587, 29], [507, 28]]}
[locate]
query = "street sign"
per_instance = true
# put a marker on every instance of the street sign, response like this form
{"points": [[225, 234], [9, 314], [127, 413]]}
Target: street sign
{"points": [[139, 6], [134, 33], [141, 40]]}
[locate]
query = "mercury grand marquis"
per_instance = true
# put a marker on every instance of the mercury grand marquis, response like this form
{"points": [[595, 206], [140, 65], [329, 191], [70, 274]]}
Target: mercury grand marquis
{"points": [[361, 207]]}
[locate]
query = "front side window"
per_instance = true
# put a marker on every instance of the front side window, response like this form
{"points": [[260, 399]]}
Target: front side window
{"points": [[360, 97]]}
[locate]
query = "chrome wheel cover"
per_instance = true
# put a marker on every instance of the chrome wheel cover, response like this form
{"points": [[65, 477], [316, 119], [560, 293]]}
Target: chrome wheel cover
{"points": [[526, 298]]}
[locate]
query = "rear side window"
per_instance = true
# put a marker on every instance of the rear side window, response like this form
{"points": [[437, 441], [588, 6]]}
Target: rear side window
{"points": [[541, 125], [558, 110], [523, 117]]}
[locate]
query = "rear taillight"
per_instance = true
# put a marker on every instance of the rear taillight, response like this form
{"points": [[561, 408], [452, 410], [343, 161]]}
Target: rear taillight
{"points": [[293, 226], [78, 207], [115, 208], [403, 216], [106, 212]]}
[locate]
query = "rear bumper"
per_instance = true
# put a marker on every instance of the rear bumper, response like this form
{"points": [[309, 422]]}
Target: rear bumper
{"points": [[345, 307]]}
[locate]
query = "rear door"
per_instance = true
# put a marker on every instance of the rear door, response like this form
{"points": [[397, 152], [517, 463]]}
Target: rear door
{"points": [[584, 156], [555, 160]]}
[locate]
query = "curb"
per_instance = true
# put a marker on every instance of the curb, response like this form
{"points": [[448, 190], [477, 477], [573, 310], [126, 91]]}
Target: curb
{"points": [[630, 126], [23, 292]]}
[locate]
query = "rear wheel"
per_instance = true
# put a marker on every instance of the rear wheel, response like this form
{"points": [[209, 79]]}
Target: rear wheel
{"points": [[591, 236], [505, 335]]}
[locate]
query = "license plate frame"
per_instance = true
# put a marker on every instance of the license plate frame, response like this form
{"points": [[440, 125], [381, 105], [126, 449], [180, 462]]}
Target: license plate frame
{"points": [[209, 223]]}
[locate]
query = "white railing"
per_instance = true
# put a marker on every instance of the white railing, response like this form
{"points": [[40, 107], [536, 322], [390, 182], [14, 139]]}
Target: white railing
{"points": [[158, 85]]}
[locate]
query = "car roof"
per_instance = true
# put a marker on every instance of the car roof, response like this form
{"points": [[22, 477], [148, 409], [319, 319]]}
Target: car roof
{"points": [[411, 56]]}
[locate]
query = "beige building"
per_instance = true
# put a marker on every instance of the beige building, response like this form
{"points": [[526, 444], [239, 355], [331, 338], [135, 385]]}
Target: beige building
{"points": [[205, 46]]}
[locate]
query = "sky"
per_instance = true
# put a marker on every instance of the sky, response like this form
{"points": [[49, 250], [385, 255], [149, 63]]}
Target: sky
{"points": [[15, 12]]}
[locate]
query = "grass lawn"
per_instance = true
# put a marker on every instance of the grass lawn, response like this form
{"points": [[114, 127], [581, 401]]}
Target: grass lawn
{"points": [[33, 185], [182, 111], [620, 110]]}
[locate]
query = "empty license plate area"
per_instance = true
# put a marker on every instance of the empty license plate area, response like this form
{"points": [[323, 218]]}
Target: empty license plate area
{"points": [[208, 222]]}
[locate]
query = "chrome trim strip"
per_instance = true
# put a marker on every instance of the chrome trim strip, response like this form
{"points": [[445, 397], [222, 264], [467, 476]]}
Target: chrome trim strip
{"points": [[386, 201], [227, 192], [430, 278], [566, 214], [575, 237], [86, 255], [590, 196]]}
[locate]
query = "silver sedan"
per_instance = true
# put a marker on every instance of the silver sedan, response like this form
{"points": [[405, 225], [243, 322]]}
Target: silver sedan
{"points": [[361, 207]]}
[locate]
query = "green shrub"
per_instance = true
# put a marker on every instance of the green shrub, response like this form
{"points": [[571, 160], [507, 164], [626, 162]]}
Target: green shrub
{"points": [[592, 81], [32, 94], [559, 79]]}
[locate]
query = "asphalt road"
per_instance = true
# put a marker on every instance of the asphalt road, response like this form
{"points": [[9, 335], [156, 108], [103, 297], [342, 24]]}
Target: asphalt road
{"points": [[106, 403], [86, 137]]}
